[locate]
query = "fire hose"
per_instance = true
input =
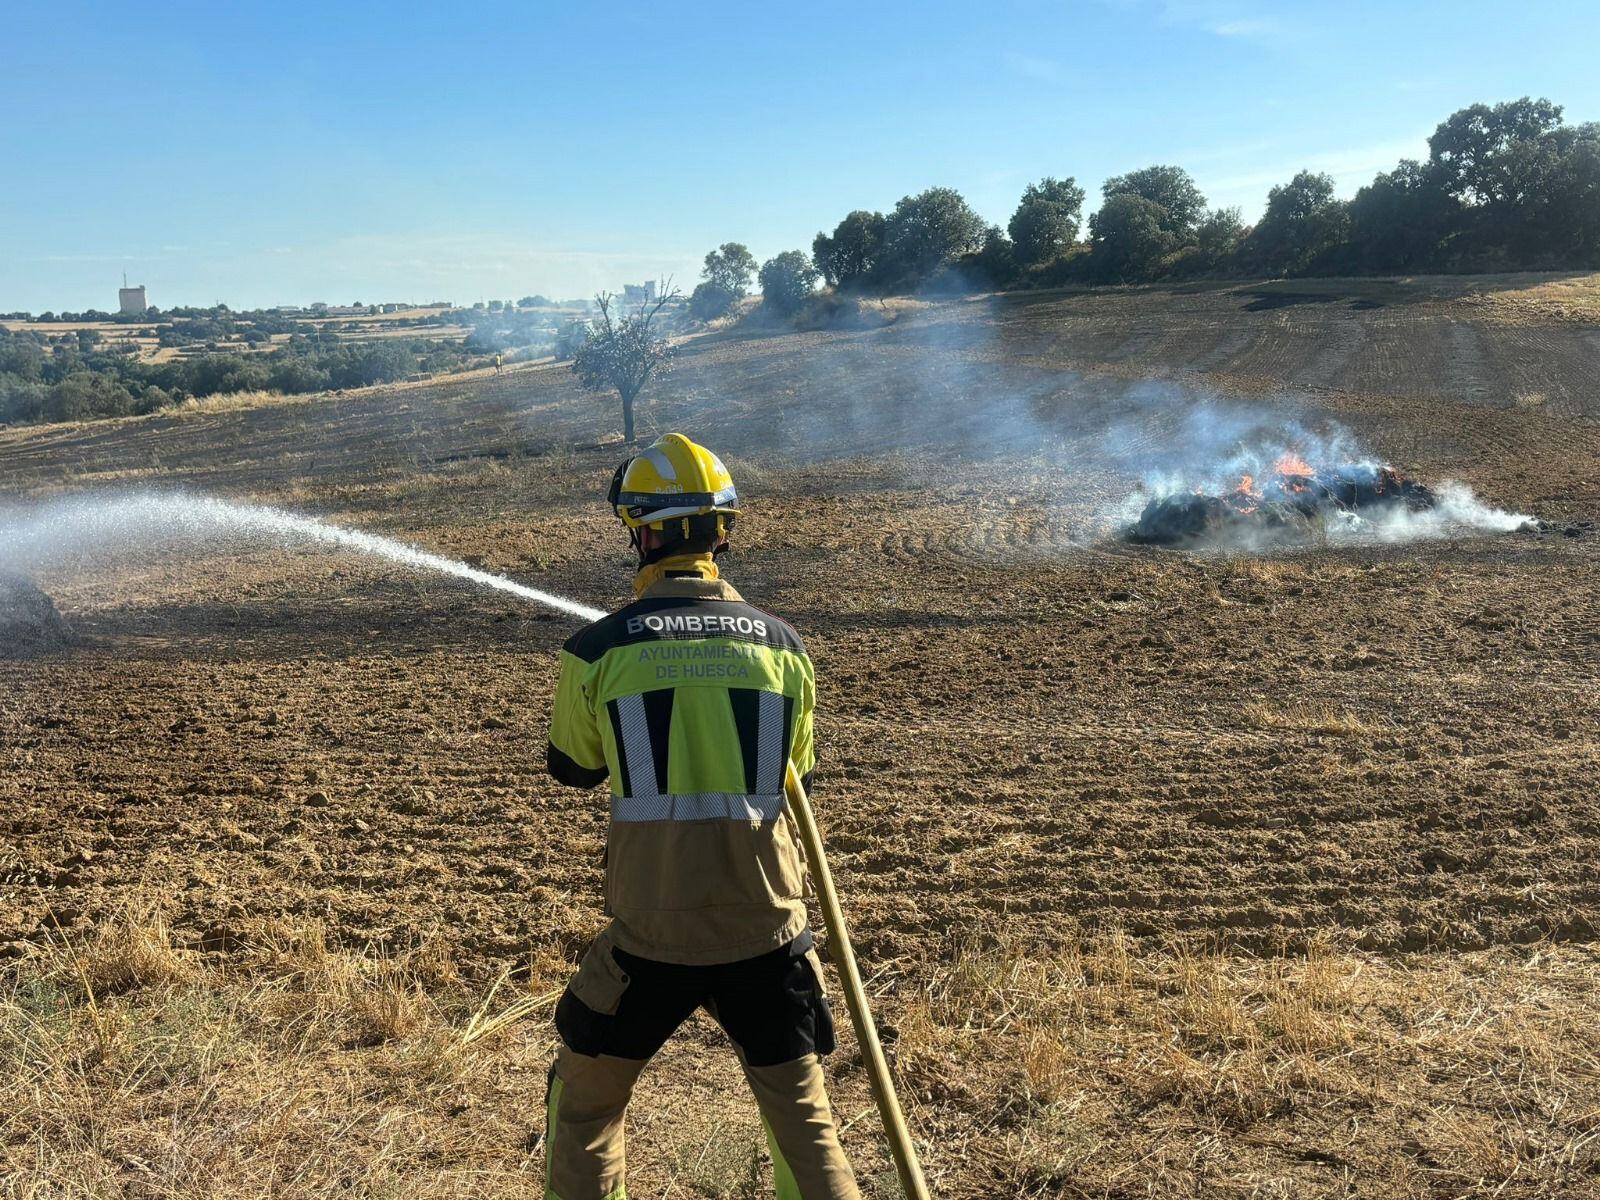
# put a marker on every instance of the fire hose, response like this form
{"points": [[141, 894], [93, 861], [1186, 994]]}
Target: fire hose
{"points": [[904, 1153]]}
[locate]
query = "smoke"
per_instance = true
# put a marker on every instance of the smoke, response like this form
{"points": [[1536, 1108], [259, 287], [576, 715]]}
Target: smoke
{"points": [[103, 525], [1213, 448], [1456, 510], [1178, 440], [965, 382], [956, 384]]}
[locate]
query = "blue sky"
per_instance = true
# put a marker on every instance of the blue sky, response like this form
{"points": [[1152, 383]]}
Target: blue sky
{"points": [[290, 152]]}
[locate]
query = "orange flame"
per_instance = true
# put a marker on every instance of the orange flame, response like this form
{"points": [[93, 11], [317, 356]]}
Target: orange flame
{"points": [[1291, 464], [1246, 495]]}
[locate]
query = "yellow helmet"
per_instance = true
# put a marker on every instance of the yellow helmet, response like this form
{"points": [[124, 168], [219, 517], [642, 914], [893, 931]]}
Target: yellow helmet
{"points": [[671, 479]]}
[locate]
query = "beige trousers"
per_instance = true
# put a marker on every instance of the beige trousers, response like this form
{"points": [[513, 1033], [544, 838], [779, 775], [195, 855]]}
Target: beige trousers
{"points": [[585, 1157]]}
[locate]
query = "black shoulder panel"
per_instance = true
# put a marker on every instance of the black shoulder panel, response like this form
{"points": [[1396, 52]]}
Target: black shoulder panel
{"points": [[790, 634], [680, 618], [593, 640]]}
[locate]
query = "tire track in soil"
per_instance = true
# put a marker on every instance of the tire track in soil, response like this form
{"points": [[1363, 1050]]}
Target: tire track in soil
{"points": [[1330, 361], [1464, 367]]}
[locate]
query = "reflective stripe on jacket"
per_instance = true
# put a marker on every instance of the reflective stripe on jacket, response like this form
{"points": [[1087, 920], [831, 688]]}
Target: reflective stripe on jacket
{"points": [[691, 702]]}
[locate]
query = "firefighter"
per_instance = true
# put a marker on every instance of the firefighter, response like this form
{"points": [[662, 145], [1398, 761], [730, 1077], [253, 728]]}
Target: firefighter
{"points": [[691, 702]]}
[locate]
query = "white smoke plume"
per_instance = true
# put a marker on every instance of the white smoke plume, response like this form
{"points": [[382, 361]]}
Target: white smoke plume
{"points": [[1212, 448], [1457, 510], [941, 386]]}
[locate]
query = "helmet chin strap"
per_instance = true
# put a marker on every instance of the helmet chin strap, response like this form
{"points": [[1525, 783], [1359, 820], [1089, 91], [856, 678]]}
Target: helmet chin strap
{"points": [[650, 548]]}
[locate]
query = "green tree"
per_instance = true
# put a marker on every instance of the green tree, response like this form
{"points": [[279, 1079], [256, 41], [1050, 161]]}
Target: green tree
{"points": [[1129, 239], [621, 353], [84, 395], [1169, 188], [1303, 222], [849, 256], [1484, 152], [709, 301], [21, 356], [1217, 239], [1213, 247], [928, 231], [786, 281], [151, 399], [1046, 221], [730, 267], [21, 400], [997, 261], [293, 374], [1574, 197], [1403, 220]]}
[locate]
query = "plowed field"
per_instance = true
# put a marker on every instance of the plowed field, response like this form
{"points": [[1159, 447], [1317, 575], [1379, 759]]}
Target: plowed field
{"points": [[1026, 725]]}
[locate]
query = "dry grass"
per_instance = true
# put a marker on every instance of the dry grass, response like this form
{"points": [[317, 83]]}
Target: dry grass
{"points": [[291, 1067], [236, 401], [132, 950], [1314, 716], [1537, 299], [1106, 1072]]}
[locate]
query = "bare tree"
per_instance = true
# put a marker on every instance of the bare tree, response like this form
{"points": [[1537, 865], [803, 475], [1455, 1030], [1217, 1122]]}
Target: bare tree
{"points": [[622, 352]]}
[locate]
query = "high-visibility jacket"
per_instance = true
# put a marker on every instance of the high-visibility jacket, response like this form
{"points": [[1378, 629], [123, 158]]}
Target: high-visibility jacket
{"points": [[691, 702]]}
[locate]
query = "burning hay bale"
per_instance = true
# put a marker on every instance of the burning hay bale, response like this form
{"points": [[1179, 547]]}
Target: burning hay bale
{"points": [[1289, 504], [29, 621]]}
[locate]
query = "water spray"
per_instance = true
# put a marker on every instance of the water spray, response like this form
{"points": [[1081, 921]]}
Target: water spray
{"points": [[150, 517]]}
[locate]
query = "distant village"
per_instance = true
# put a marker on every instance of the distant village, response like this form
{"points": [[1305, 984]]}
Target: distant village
{"points": [[141, 357], [134, 301]]}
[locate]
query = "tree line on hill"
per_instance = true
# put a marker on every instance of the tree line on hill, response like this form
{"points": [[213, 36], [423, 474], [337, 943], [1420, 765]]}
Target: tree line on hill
{"points": [[79, 375], [1505, 187], [78, 380]]}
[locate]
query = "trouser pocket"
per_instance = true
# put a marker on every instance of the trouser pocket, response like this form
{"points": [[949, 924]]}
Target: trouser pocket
{"points": [[600, 981], [624, 1006]]}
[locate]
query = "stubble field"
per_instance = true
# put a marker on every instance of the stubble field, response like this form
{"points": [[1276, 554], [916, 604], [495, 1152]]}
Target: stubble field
{"points": [[1175, 874]]}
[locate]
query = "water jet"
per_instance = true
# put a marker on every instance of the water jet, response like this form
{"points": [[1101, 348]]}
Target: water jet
{"points": [[107, 523]]}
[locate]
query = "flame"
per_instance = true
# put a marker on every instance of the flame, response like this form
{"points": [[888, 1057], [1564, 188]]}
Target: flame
{"points": [[1388, 480], [1295, 488], [1244, 497], [1292, 465], [1293, 474]]}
